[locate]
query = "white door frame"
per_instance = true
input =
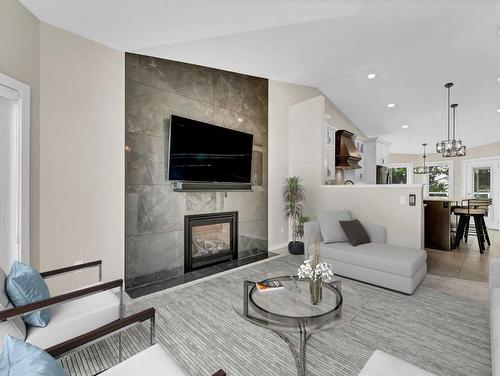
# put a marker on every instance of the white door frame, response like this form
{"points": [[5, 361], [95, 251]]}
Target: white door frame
{"points": [[494, 182], [23, 150]]}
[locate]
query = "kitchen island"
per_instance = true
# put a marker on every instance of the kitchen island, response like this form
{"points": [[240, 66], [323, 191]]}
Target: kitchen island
{"points": [[438, 222]]}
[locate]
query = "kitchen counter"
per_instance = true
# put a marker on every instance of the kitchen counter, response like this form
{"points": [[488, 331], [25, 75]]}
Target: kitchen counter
{"points": [[446, 199], [437, 222]]}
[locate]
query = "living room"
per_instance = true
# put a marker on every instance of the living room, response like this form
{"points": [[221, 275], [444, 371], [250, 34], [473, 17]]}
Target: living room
{"points": [[166, 166]]}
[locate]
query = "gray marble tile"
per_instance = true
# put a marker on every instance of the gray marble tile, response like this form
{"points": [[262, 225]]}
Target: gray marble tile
{"points": [[188, 80], [145, 156], [252, 238], [156, 89], [136, 219], [140, 68], [250, 205], [257, 168], [240, 93], [146, 109], [163, 209], [148, 254], [244, 123], [201, 202]]}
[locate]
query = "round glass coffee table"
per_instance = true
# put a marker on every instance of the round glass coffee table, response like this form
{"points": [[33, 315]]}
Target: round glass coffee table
{"points": [[290, 311]]}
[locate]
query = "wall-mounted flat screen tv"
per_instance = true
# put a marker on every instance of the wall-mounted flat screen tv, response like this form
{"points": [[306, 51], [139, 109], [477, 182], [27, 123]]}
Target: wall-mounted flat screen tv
{"points": [[202, 152]]}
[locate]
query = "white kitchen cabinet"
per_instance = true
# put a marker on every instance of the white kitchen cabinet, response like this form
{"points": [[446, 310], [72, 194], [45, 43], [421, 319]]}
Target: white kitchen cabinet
{"points": [[377, 153], [329, 151]]}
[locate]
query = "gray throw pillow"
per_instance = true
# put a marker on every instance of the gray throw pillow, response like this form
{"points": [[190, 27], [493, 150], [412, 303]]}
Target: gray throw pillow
{"points": [[330, 226], [355, 232]]}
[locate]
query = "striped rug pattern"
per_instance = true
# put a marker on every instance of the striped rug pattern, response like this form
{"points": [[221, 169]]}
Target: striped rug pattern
{"points": [[442, 333]]}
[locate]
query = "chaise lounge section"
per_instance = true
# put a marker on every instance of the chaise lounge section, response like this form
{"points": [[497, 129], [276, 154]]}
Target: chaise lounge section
{"points": [[391, 266]]}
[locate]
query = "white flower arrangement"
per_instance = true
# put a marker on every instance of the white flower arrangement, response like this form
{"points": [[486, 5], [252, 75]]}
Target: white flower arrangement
{"points": [[315, 270]]}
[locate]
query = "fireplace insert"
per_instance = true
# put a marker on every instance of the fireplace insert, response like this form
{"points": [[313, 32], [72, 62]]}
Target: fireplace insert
{"points": [[210, 239]]}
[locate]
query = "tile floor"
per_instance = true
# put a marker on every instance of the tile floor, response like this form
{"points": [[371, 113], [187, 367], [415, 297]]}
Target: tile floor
{"points": [[466, 262]]}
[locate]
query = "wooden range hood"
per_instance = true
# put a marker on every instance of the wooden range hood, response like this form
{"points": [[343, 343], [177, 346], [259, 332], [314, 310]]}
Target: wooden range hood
{"points": [[346, 154]]}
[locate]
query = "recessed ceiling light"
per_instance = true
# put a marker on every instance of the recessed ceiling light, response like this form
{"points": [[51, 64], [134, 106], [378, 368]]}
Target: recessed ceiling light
{"points": [[498, 79], [371, 76], [391, 105], [404, 126], [240, 119], [498, 109]]}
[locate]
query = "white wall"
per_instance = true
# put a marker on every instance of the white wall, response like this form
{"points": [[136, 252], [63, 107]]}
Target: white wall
{"points": [[281, 96], [484, 151], [386, 205], [81, 153], [382, 204], [20, 59]]}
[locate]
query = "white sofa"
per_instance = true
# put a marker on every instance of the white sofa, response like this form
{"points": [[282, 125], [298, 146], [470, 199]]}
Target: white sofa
{"points": [[383, 364], [378, 263], [495, 314]]}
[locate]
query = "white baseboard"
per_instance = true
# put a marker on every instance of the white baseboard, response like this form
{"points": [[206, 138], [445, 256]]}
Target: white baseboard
{"points": [[277, 247]]}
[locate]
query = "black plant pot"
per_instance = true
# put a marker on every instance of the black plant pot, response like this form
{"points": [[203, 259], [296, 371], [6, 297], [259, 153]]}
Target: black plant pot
{"points": [[296, 248]]}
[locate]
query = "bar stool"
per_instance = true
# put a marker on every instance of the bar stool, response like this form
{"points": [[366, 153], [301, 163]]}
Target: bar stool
{"points": [[464, 214], [481, 203]]}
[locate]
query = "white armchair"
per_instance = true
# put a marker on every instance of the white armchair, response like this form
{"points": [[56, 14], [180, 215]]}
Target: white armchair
{"points": [[72, 314]]}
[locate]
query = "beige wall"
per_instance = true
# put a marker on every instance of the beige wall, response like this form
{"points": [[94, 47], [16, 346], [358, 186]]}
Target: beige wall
{"points": [[81, 152], [20, 59], [281, 96], [485, 151]]}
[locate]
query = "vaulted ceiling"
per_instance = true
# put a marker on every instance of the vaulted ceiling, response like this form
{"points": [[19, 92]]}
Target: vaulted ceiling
{"points": [[413, 47]]}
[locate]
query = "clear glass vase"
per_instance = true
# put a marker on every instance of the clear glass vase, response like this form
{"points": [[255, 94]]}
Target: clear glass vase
{"points": [[316, 289]]}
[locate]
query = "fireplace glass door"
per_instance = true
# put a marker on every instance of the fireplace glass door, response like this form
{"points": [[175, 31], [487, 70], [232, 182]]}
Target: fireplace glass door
{"points": [[209, 239]]}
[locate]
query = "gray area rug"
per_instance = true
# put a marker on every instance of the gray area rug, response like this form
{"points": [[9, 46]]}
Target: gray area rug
{"points": [[442, 333]]}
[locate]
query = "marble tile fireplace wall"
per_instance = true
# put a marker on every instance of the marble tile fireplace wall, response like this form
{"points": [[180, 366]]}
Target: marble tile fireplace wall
{"points": [[155, 89]]}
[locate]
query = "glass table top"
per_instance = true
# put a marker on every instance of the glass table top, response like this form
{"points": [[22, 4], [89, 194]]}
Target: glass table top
{"points": [[290, 309]]}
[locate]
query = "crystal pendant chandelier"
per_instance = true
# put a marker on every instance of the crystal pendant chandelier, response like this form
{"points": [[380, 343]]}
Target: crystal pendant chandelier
{"points": [[451, 147], [422, 169]]}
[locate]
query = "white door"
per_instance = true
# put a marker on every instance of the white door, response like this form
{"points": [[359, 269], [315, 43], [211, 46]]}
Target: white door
{"points": [[9, 177], [481, 181]]}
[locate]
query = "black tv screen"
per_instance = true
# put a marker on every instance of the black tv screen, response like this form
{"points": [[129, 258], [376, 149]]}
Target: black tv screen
{"points": [[201, 152]]}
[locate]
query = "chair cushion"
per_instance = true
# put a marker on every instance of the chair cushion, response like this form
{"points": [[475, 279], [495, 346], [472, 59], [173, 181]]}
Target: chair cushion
{"points": [[19, 358], [330, 226], [383, 364], [154, 361], [355, 232], [25, 285], [383, 257], [13, 327], [76, 317]]}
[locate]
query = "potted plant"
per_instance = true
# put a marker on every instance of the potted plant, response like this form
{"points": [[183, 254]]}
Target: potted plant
{"points": [[317, 272], [294, 195]]}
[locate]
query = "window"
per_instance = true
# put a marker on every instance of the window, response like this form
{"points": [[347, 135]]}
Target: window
{"points": [[440, 180], [401, 173], [482, 182]]}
